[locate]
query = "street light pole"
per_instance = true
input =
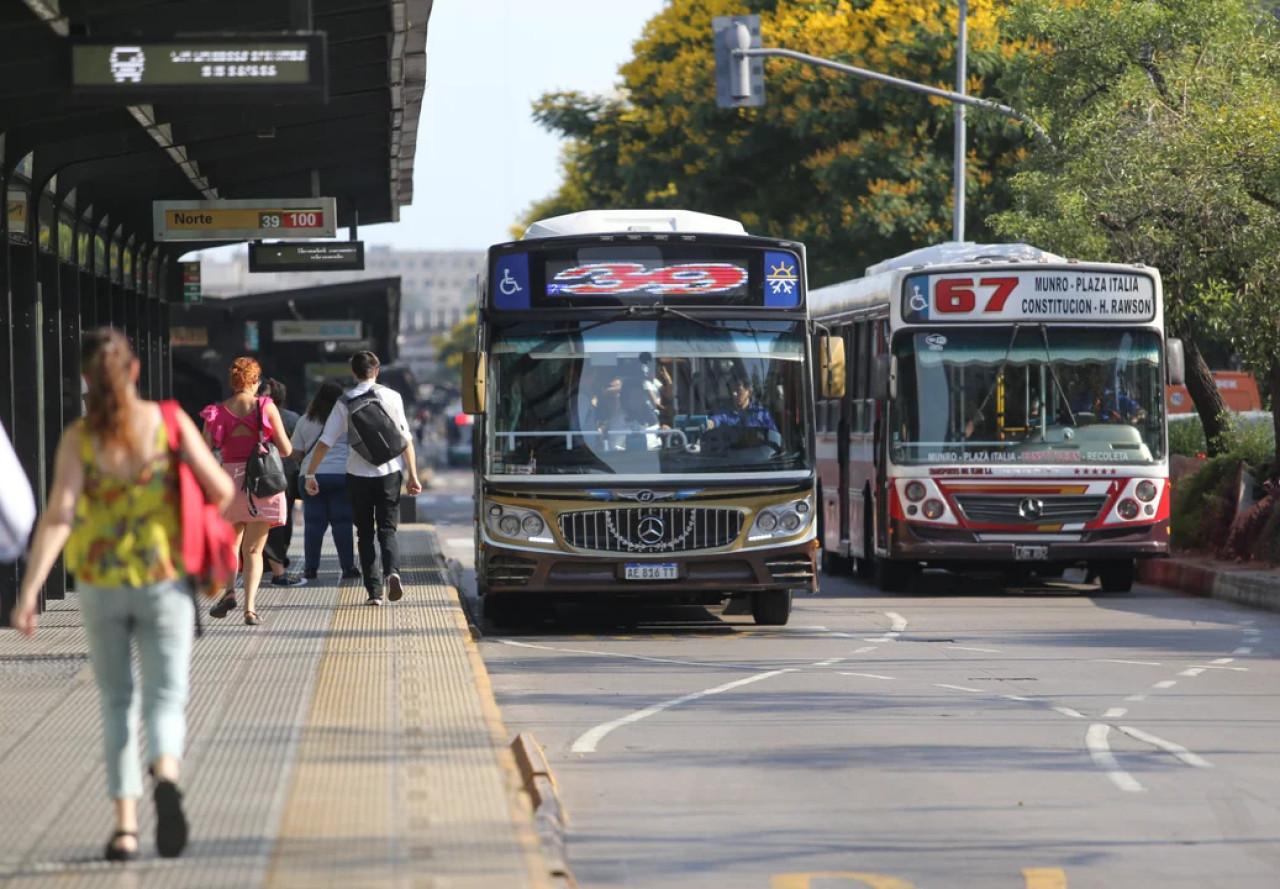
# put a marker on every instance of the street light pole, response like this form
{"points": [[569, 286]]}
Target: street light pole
{"points": [[962, 46]]}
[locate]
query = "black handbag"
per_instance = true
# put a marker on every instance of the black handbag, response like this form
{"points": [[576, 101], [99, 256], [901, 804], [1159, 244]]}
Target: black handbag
{"points": [[264, 474]]}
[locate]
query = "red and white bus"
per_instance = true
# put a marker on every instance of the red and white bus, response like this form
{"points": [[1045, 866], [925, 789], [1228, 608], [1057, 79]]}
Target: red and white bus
{"points": [[1000, 407]]}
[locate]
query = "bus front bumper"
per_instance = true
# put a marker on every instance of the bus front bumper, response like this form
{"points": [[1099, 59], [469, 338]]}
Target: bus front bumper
{"points": [[705, 575], [927, 543]]}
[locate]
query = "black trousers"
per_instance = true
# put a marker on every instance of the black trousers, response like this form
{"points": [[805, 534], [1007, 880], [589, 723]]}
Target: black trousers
{"points": [[279, 539], [375, 509]]}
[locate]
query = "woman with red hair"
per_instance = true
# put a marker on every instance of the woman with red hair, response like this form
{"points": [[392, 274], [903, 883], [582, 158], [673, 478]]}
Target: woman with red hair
{"points": [[234, 427], [114, 506]]}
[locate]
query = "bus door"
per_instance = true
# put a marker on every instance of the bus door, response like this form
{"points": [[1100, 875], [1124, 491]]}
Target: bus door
{"points": [[843, 425], [878, 344]]}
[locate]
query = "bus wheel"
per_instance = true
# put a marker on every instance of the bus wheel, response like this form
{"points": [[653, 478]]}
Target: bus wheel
{"points": [[1116, 577], [771, 608], [893, 577]]}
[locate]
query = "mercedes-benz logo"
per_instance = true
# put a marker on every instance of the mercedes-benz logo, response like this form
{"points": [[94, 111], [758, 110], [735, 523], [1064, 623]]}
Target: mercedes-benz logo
{"points": [[1030, 508], [651, 530]]}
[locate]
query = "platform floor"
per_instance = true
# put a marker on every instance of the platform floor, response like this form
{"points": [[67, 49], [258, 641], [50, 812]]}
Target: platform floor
{"points": [[333, 745]]}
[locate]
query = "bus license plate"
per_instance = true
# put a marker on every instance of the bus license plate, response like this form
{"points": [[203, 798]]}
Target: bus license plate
{"points": [[651, 571], [1031, 553]]}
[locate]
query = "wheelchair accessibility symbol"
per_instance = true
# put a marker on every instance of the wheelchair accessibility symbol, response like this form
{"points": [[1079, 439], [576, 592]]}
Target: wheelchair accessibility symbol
{"points": [[918, 302], [508, 285]]}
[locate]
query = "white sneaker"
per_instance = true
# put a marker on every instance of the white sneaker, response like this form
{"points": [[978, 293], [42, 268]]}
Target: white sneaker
{"points": [[395, 589]]}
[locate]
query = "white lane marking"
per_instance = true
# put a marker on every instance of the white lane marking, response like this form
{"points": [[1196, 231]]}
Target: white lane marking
{"points": [[829, 662], [1136, 698], [1253, 632], [1217, 667], [1177, 750], [1096, 740], [957, 687], [1222, 660], [588, 741], [865, 649], [1243, 650], [1115, 713], [1166, 683], [1109, 660], [633, 657], [899, 623], [967, 648], [1067, 711], [1192, 671], [1017, 698], [1247, 623], [867, 675]]}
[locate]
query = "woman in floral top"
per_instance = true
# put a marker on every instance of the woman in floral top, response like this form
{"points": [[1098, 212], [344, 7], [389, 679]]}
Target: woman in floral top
{"points": [[114, 506]]}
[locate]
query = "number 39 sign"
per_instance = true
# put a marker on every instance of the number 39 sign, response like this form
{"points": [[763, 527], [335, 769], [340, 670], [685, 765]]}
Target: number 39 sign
{"points": [[632, 277]]}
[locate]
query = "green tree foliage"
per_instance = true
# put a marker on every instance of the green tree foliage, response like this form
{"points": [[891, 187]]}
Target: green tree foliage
{"points": [[857, 170], [1166, 114], [450, 346]]}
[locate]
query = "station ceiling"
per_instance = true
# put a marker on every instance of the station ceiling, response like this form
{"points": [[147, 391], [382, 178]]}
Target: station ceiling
{"points": [[358, 147]]}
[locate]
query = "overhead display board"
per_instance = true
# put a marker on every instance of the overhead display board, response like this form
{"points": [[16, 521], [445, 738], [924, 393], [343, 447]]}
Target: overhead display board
{"points": [[198, 68], [243, 220], [316, 331], [307, 256]]}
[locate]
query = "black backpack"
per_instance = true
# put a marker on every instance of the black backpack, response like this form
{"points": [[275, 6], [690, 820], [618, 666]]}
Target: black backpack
{"points": [[371, 430], [264, 472]]}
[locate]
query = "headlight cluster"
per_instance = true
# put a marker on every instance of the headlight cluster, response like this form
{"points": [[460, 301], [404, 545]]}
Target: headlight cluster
{"points": [[517, 524], [781, 521], [1137, 502]]}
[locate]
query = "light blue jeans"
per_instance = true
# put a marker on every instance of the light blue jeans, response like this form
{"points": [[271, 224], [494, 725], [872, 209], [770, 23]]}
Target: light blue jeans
{"points": [[161, 618]]}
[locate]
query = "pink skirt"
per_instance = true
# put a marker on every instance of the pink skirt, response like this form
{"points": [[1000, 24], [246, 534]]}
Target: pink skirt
{"points": [[270, 509]]}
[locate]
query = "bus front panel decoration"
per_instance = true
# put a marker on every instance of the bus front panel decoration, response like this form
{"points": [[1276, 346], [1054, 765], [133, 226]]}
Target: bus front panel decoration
{"points": [[646, 426], [1020, 423]]}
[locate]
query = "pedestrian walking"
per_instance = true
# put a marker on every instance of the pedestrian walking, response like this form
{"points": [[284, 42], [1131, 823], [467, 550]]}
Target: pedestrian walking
{"points": [[114, 506], [329, 508], [280, 537], [235, 427], [380, 454], [17, 503]]}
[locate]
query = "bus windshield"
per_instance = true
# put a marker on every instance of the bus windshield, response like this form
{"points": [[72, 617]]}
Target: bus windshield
{"points": [[1029, 393], [657, 396]]}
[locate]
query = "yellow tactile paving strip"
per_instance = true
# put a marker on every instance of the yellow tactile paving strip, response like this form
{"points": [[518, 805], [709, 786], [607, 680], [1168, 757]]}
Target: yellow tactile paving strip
{"points": [[400, 777]]}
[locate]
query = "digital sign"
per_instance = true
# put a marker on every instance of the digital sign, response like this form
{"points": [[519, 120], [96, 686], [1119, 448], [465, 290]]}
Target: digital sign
{"points": [[202, 67], [309, 256], [245, 220], [1045, 294]]}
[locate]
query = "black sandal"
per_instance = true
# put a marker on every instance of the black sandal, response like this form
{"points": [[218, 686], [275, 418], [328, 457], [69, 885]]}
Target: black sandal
{"points": [[116, 853], [223, 606], [171, 822], [251, 618]]}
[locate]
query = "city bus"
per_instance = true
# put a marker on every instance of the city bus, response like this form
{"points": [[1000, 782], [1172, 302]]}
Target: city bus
{"points": [[1003, 409], [641, 387]]}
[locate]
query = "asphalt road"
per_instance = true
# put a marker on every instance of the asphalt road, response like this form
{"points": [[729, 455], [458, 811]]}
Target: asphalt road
{"points": [[960, 735]]}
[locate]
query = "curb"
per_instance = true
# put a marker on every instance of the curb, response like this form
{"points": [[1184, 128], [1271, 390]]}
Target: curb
{"points": [[549, 816], [1253, 589]]}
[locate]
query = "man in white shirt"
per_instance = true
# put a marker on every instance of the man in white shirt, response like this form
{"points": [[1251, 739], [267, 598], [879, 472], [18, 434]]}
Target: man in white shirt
{"points": [[374, 491]]}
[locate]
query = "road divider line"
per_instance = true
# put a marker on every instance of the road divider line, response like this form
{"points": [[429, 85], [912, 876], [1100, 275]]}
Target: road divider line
{"points": [[1165, 683], [828, 662], [1018, 698], [957, 687], [588, 742], [1115, 713], [967, 648], [1222, 660], [1136, 698], [1067, 711], [1044, 878], [867, 675], [1096, 740], [1180, 752], [1111, 660], [1192, 671]]}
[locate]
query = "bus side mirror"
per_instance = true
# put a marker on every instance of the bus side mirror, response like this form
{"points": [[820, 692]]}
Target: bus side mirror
{"points": [[831, 366], [473, 382], [882, 378], [1174, 362]]}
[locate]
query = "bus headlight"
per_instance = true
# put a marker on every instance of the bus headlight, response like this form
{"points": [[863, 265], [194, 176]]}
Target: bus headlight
{"points": [[1146, 491], [915, 491], [1128, 509], [767, 522], [517, 523], [791, 522], [531, 525], [933, 509], [781, 521], [509, 525]]}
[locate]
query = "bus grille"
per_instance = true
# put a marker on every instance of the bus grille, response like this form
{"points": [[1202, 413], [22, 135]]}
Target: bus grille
{"points": [[1055, 508], [651, 529]]}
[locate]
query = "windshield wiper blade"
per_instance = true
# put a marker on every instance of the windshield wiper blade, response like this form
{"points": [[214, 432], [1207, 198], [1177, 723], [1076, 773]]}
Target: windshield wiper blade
{"points": [[664, 311], [1048, 354]]}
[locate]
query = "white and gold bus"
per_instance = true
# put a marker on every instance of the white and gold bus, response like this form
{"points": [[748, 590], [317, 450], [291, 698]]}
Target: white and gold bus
{"points": [[643, 409]]}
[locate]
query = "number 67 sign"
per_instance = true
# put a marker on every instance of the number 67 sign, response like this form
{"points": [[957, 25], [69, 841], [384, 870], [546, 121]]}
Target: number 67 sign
{"points": [[1049, 294]]}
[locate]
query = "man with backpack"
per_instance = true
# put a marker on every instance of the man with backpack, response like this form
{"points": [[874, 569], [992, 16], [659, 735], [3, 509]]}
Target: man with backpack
{"points": [[380, 454]]}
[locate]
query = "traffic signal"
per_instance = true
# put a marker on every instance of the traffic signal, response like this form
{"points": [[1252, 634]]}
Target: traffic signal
{"points": [[740, 81]]}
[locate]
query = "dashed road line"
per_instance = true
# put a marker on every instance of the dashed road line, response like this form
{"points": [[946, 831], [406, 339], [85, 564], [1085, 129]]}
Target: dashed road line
{"points": [[865, 649], [1018, 698], [1192, 671], [1165, 683], [1221, 660], [829, 662], [957, 687], [967, 648], [1110, 660], [1182, 753], [589, 740], [1067, 711], [868, 675], [1136, 698], [1115, 713], [1096, 740]]}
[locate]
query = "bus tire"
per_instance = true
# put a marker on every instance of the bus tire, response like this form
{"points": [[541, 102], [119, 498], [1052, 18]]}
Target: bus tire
{"points": [[1116, 577], [893, 577], [771, 608]]}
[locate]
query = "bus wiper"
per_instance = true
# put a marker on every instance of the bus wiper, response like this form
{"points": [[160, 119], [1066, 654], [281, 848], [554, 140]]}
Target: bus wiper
{"points": [[1048, 354], [999, 373], [663, 311]]}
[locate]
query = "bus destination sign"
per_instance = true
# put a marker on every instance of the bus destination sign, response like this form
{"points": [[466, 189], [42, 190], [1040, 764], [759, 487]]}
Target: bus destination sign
{"points": [[307, 256], [245, 220], [1042, 294], [208, 67]]}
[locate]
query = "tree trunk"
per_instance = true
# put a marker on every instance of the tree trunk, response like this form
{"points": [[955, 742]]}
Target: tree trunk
{"points": [[1274, 379], [1204, 395]]}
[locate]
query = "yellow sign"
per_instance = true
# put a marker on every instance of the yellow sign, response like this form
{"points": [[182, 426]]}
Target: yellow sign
{"points": [[189, 336], [246, 220], [17, 214]]}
